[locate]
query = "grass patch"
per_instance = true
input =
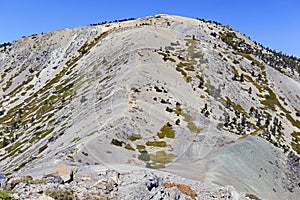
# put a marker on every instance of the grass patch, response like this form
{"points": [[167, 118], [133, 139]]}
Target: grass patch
{"points": [[191, 125], [245, 55], [140, 147], [294, 122], [183, 73], [29, 87], [46, 132], [186, 66], [228, 37], [134, 137], [43, 148], [193, 128], [166, 131], [75, 139], [235, 72], [236, 107], [296, 147], [14, 146], [178, 109], [187, 118], [271, 100], [296, 135], [5, 196], [181, 64], [162, 158], [296, 141], [128, 147], [156, 143], [3, 75]]}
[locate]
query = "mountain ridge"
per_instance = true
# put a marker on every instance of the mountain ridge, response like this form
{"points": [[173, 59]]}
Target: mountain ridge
{"points": [[162, 92]]}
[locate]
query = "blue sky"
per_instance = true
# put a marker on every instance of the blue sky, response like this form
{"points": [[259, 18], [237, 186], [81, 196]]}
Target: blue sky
{"points": [[274, 23]]}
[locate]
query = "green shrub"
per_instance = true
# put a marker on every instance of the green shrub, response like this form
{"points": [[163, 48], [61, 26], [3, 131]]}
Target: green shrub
{"points": [[166, 131], [116, 142], [156, 143], [5, 196], [134, 137], [162, 157], [140, 147], [128, 147], [144, 156], [43, 148]]}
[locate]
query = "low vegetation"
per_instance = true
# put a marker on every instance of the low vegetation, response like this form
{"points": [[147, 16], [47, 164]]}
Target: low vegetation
{"points": [[160, 159], [60, 194], [166, 131], [5, 196]]}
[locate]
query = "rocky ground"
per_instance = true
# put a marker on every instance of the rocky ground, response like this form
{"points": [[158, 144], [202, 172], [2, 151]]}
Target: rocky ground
{"points": [[109, 184]]}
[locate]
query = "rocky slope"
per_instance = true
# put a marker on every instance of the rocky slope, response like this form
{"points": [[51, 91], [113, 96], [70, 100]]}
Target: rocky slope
{"points": [[100, 183], [185, 96]]}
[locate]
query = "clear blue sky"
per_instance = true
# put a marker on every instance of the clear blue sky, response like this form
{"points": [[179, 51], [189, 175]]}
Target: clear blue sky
{"points": [[274, 23]]}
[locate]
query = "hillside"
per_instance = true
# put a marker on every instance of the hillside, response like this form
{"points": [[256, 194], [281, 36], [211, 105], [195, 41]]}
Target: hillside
{"points": [[188, 97]]}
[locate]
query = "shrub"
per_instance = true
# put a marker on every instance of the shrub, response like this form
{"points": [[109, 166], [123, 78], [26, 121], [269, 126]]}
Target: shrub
{"points": [[134, 137], [128, 147], [157, 89], [144, 156], [169, 109], [163, 101], [156, 143], [252, 196], [60, 194], [5, 196], [116, 142], [166, 131]]}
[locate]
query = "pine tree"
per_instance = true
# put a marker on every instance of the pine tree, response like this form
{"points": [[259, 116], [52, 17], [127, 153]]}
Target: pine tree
{"points": [[250, 90], [242, 78]]}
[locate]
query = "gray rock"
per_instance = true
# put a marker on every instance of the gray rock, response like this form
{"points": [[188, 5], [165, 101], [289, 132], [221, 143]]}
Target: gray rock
{"points": [[64, 173], [2, 179], [152, 183], [54, 179]]}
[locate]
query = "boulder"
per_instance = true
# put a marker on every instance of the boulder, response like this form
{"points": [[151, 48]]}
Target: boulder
{"points": [[152, 182], [63, 172], [53, 179]]}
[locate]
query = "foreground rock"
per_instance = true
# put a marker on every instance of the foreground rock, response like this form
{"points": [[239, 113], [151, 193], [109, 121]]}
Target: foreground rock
{"points": [[64, 173], [110, 184]]}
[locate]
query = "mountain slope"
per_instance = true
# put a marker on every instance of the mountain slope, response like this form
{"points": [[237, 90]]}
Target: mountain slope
{"points": [[186, 96]]}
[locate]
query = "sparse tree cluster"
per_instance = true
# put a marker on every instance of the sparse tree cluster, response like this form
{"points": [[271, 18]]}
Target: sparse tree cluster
{"points": [[105, 22], [277, 60]]}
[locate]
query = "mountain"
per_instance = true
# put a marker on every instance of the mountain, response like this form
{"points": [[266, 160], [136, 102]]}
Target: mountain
{"points": [[187, 97]]}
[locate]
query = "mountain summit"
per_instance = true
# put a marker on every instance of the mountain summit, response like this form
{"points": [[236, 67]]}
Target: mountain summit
{"points": [[187, 97]]}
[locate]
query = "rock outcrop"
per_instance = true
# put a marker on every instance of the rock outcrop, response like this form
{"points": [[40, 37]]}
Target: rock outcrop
{"points": [[110, 184]]}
